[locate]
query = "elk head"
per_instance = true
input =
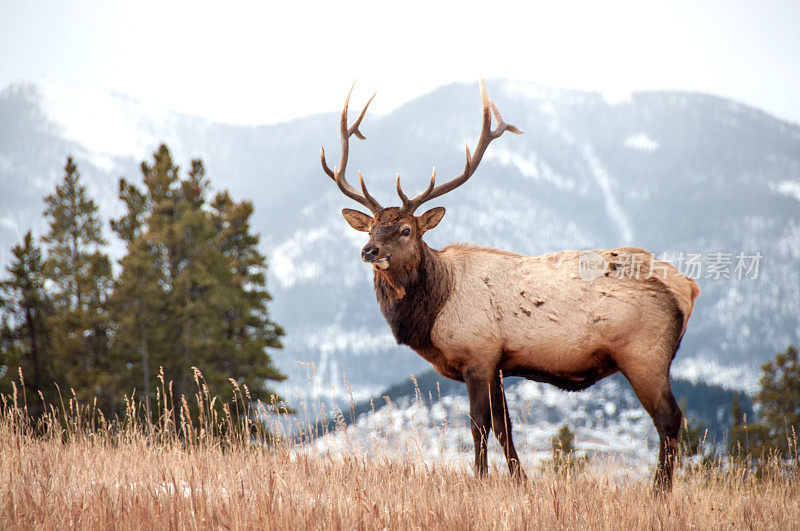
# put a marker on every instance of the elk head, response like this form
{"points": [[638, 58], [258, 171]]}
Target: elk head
{"points": [[395, 232]]}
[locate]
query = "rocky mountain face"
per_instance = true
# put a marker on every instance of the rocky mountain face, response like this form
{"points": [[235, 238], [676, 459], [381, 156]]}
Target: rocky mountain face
{"points": [[713, 184]]}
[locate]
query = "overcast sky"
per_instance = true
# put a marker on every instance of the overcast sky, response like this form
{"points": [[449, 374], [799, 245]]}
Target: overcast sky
{"points": [[257, 62]]}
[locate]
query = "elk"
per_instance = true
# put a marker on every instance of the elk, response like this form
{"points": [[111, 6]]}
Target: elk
{"points": [[479, 315]]}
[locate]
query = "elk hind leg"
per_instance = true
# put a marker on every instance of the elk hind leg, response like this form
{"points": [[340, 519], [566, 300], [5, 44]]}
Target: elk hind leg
{"points": [[655, 394]]}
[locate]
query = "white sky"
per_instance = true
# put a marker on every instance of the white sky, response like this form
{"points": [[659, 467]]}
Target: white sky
{"points": [[264, 62]]}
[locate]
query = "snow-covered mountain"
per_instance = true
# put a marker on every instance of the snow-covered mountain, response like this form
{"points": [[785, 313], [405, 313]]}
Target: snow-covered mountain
{"points": [[672, 172], [427, 417]]}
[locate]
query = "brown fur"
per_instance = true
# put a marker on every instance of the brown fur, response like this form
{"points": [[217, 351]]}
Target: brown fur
{"points": [[476, 312], [412, 316]]}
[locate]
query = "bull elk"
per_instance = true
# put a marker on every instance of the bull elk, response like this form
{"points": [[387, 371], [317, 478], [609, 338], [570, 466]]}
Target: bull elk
{"points": [[479, 314]]}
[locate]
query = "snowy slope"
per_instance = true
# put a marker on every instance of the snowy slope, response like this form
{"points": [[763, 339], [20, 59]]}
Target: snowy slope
{"points": [[426, 418]]}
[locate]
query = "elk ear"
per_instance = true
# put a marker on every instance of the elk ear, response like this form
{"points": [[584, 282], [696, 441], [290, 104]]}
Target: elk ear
{"points": [[430, 219], [357, 220]]}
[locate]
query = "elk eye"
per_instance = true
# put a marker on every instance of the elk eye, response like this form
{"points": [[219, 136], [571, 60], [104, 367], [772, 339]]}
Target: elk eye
{"points": [[406, 231]]}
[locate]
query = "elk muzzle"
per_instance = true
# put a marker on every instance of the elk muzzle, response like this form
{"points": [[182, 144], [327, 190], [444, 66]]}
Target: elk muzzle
{"points": [[370, 255]]}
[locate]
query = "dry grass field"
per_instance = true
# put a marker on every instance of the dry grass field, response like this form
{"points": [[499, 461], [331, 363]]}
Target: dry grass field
{"points": [[76, 470]]}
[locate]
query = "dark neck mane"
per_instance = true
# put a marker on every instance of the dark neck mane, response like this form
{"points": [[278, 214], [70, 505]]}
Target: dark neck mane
{"points": [[411, 300]]}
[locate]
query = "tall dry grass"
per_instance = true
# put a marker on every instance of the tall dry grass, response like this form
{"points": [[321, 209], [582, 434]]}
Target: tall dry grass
{"points": [[76, 469]]}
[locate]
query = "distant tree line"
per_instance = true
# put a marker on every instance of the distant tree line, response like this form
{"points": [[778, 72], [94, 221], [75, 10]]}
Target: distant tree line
{"points": [[190, 291], [771, 432]]}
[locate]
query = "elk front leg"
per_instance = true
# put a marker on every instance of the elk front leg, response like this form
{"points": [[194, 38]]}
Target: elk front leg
{"points": [[501, 425], [478, 389]]}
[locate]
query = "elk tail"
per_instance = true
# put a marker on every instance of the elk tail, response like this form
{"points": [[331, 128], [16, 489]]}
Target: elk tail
{"points": [[686, 291]]}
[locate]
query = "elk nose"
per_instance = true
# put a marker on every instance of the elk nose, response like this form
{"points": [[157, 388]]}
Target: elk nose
{"points": [[369, 252]]}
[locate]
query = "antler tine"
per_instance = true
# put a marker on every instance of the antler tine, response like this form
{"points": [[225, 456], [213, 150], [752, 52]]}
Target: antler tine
{"points": [[325, 164], [338, 172], [419, 198], [364, 191], [353, 130], [502, 127], [403, 197], [487, 135]]}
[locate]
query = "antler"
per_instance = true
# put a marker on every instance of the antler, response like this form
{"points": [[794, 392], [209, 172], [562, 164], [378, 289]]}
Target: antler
{"points": [[487, 135], [338, 172]]}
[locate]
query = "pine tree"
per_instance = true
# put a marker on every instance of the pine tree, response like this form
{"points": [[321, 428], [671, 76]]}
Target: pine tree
{"points": [[564, 441], [746, 440], [248, 327], [148, 320], [24, 332], [136, 298], [779, 399], [191, 292], [562, 448], [81, 274], [130, 225], [75, 230]]}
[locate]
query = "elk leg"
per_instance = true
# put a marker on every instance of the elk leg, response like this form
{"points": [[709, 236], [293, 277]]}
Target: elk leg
{"points": [[480, 419], [668, 423], [501, 425], [656, 396]]}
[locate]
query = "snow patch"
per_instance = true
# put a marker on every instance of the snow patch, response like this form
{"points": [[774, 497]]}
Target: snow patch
{"points": [[606, 184], [706, 369], [641, 142], [787, 187], [287, 263], [7, 222], [530, 167], [332, 339], [108, 125]]}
